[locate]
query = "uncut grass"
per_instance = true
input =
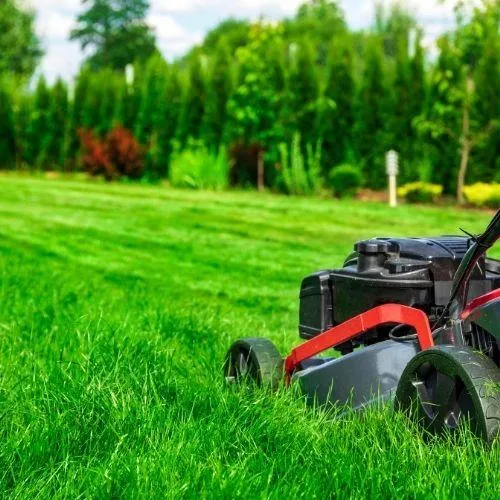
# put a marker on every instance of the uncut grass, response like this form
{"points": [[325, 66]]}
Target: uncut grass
{"points": [[117, 306]]}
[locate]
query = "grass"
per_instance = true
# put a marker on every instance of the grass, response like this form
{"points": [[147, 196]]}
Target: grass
{"points": [[117, 304]]}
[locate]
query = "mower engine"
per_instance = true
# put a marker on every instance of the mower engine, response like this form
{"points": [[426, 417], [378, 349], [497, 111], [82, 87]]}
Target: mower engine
{"points": [[416, 272], [416, 321]]}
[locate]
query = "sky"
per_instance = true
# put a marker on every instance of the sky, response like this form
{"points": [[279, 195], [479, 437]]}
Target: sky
{"points": [[180, 24]]}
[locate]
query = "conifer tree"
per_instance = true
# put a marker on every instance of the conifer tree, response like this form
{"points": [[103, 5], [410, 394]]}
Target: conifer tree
{"points": [[7, 136], [194, 101], [58, 119], [303, 92], [336, 116], [370, 130], [218, 93], [38, 135], [169, 109]]}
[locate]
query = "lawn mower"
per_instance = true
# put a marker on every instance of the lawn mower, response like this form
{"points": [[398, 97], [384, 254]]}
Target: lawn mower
{"points": [[414, 321]]}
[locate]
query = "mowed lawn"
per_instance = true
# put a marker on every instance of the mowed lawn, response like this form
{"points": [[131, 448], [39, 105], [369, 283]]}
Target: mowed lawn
{"points": [[117, 304]]}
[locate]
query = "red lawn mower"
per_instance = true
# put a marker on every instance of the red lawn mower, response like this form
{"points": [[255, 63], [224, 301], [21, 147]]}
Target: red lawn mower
{"points": [[414, 320]]}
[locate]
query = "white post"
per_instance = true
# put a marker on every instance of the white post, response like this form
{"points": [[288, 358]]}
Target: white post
{"points": [[392, 167], [129, 76]]}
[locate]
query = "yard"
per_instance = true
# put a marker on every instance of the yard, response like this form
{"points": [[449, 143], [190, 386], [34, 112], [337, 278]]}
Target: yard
{"points": [[117, 304]]}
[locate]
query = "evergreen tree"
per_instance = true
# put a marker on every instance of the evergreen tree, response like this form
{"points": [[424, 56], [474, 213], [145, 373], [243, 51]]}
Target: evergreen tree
{"points": [[58, 119], [151, 92], [194, 101], [7, 136], [219, 89], [39, 126], [168, 119], [20, 48], [303, 93], [336, 117], [370, 137], [116, 31], [75, 117]]}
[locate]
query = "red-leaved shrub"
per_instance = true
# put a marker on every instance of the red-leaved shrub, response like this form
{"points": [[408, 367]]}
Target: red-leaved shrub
{"points": [[119, 154]]}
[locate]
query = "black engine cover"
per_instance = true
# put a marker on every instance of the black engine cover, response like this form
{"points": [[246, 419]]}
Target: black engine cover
{"points": [[417, 272]]}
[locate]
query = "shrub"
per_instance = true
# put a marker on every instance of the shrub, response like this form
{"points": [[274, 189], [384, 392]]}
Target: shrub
{"points": [[345, 180], [300, 175], [119, 154], [125, 153], [197, 168], [420, 192], [483, 195], [95, 156]]}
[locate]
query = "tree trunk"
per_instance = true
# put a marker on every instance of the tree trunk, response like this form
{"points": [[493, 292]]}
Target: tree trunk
{"points": [[260, 171], [464, 161], [465, 140]]}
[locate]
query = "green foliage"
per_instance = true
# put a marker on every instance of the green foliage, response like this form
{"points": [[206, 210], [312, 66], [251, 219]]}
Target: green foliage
{"points": [[345, 180], [302, 91], [197, 168], [336, 113], [483, 195], [254, 108], [371, 120], [193, 103], [231, 33], [298, 174], [420, 192], [7, 126], [251, 86], [20, 48], [115, 31], [219, 89]]}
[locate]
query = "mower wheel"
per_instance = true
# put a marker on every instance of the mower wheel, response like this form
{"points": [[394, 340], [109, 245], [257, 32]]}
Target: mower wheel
{"points": [[447, 386], [254, 361]]}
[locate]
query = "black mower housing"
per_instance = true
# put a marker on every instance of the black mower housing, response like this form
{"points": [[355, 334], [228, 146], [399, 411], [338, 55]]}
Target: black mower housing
{"points": [[417, 272]]}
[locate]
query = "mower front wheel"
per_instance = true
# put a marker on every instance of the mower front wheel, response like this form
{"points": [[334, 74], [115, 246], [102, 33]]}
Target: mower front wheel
{"points": [[446, 386], [254, 361]]}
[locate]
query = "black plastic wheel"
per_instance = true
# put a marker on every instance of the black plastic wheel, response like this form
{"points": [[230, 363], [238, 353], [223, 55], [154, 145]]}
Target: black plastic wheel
{"points": [[254, 361], [446, 386]]}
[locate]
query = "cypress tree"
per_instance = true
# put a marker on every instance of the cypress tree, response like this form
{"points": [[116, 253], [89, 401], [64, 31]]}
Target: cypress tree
{"points": [[7, 136], [303, 92], [219, 89], [38, 129], [58, 118], [149, 101], [194, 100], [370, 128], [169, 108], [77, 106], [337, 114]]}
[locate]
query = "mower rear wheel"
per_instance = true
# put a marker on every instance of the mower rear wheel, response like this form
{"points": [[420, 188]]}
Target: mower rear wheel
{"points": [[446, 386], [254, 361]]}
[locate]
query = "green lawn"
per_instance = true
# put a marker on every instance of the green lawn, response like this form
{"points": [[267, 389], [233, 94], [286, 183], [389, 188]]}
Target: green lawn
{"points": [[117, 303]]}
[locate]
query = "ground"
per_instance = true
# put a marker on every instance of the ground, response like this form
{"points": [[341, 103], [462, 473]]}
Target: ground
{"points": [[117, 304]]}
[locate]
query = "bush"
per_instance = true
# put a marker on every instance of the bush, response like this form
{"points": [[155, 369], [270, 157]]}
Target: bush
{"points": [[420, 192], [119, 154], [300, 175], [197, 168], [345, 180], [483, 195]]}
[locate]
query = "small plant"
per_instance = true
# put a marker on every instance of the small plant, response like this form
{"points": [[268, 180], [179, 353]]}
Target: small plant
{"points": [[483, 195], [119, 154], [420, 192], [197, 168], [125, 153], [300, 175], [95, 156], [345, 180]]}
